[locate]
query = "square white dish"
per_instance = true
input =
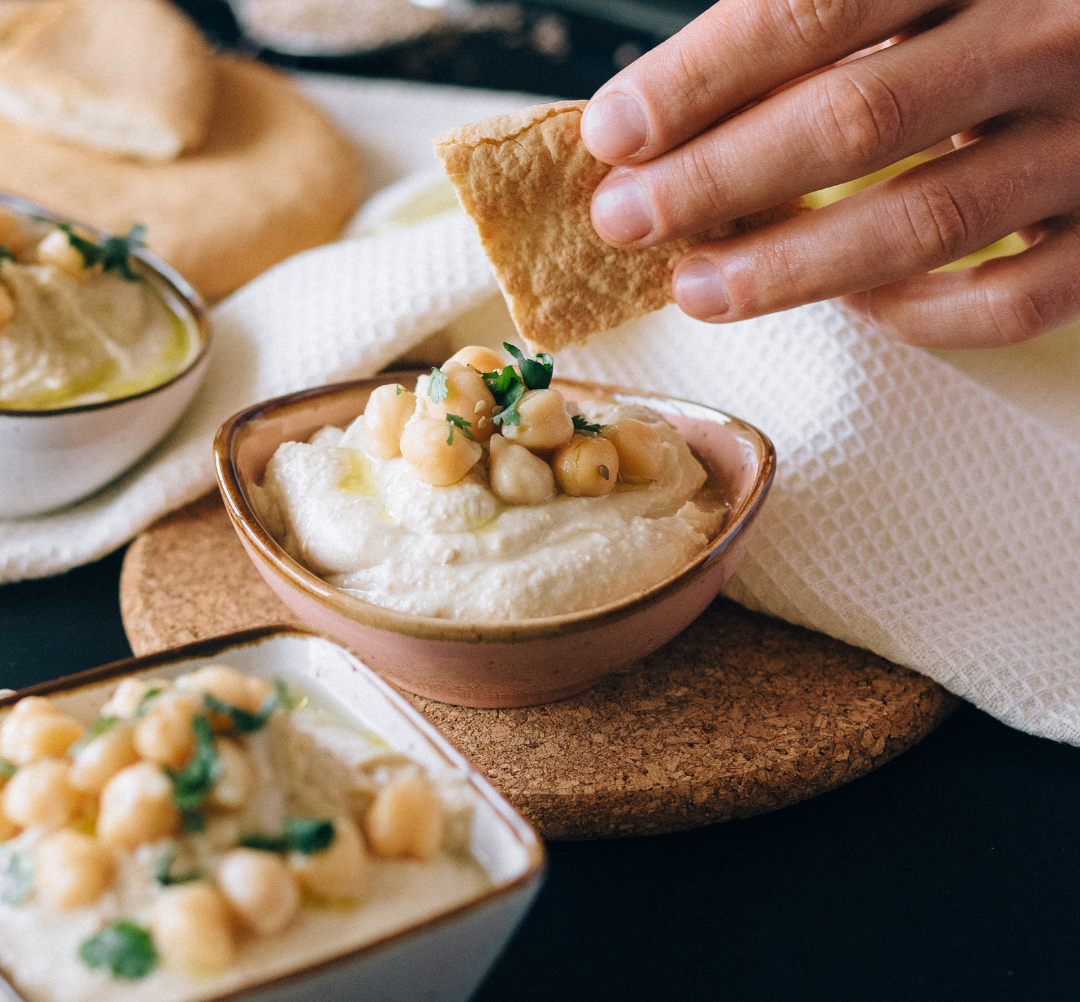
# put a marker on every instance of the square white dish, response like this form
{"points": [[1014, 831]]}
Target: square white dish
{"points": [[440, 955]]}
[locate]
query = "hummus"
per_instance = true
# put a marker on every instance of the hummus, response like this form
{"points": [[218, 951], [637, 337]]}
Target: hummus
{"points": [[76, 335], [306, 763], [371, 527]]}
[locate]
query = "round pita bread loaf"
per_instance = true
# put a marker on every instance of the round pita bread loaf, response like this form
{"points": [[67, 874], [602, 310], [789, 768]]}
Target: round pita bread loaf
{"points": [[132, 77], [273, 177]]}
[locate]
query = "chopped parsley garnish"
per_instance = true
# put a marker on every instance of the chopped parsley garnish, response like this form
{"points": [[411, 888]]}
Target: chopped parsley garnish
{"points": [[264, 843], [5, 253], [437, 386], [582, 426], [163, 871], [16, 877], [507, 389], [147, 699], [192, 783], [123, 947], [308, 835], [116, 252], [245, 721], [90, 251], [304, 835], [398, 389], [502, 382], [113, 253], [242, 720], [7, 769], [90, 733], [535, 372], [285, 700], [456, 421]]}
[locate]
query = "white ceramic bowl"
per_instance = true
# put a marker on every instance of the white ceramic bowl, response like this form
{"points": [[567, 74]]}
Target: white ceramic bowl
{"points": [[439, 959], [51, 458]]}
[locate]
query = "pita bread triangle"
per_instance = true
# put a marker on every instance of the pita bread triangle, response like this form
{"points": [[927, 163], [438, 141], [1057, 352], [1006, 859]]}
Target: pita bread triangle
{"points": [[527, 180]]}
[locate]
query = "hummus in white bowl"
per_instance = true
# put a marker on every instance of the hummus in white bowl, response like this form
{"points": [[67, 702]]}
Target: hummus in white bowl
{"points": [[79, 325], [102, 347], [372, 527]]}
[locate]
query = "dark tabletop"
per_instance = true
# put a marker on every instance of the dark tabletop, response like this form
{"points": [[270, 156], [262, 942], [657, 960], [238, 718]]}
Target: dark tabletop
{"points": [[951, 873]]}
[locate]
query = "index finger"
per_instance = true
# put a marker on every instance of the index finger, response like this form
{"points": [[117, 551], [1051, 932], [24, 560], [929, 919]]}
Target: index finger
{"points": [[734, 53]]}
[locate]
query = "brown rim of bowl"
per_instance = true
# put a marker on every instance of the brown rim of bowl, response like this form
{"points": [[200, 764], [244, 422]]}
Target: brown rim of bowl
{"points": [[173, 280], [523, 832], [247, 523]]}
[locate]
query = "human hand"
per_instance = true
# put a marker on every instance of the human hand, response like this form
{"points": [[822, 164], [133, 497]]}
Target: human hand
{"points": [[1001, 77]]}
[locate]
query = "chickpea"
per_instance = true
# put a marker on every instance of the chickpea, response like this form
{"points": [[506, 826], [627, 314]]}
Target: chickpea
{"points": [[39, 794], [238, 776], [468, 397], [544, 425], [37, 729], [405, 819], [56, 250], [8, 828], [423, 444], [192, 930], [165, 734], [480, 358], [640, 449], [586, 467], [28, 706], [338, 872], [260, 888], [245, 692], [98, 761], [73, 869], [137, 806], [517, 476], [7, 307], [129, 695], [388, 409], [11, 232]]}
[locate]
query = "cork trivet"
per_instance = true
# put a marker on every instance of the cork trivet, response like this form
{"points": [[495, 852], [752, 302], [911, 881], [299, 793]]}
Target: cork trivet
{"points": [[739, 715]]}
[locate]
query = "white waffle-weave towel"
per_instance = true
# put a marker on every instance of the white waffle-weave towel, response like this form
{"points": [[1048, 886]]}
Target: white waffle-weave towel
{"points": [[914, 513]]}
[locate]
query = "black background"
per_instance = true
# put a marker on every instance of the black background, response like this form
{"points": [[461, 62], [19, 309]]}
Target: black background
{"points": [[952, 872]]}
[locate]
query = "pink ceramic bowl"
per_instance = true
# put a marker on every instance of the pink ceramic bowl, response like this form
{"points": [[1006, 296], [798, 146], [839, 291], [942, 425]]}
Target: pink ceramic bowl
{"points": [[501, 664]]}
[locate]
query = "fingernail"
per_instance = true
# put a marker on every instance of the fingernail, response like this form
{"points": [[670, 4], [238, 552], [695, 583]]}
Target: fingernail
{"points": [[621, 211], [700, 291], [613, 126]]}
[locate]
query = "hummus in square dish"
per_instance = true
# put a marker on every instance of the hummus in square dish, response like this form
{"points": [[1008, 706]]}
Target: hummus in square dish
{"points": [[197, 835]]}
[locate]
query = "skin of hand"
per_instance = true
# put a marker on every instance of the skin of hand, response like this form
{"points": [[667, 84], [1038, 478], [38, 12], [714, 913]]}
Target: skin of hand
{"points": [[759, 101]]}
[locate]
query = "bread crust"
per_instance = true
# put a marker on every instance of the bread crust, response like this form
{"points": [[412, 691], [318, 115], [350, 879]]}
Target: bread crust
{"points": [[130, 76], [273, 177], [527, 180]]}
